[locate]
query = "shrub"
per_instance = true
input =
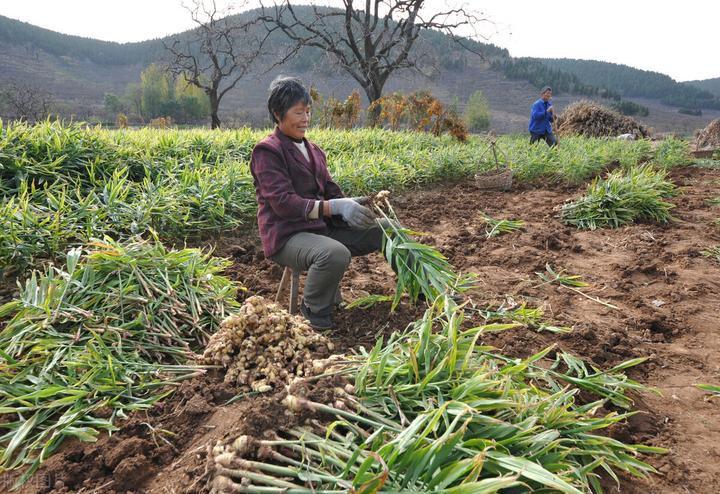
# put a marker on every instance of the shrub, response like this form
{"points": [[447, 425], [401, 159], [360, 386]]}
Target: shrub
{"points": [[630, 108], [477, 112], [690, 111], [419, 111], [332, 113], [121, 121]]}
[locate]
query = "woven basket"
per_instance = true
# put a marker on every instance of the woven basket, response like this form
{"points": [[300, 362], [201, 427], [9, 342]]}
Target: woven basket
{"points": [[495, 179]]}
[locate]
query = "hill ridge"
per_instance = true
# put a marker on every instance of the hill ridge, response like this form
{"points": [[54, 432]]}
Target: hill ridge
{"points": [[80, 70]]}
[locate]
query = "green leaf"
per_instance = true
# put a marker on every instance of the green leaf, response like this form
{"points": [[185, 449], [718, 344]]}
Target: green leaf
{"points": [[532, 471]]}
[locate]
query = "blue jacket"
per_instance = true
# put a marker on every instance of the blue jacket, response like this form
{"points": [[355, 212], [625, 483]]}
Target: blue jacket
{"points": [[540, 119]]}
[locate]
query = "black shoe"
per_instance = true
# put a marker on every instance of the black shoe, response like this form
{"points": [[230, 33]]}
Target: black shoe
{"points": [[317, 321]]}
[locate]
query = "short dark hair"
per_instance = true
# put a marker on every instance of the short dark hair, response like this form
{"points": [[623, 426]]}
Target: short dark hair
{"points": [[286, 92], [545, 88]]}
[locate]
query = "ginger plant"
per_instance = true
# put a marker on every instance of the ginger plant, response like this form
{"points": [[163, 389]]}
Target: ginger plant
{"points": [[422, 271]]}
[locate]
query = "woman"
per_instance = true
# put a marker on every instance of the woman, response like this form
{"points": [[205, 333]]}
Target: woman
{"points": [[305, 222]]}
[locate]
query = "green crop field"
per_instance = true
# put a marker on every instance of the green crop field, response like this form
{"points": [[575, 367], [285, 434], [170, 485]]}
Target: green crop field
{"points": [[63, 185], [119, 319]]}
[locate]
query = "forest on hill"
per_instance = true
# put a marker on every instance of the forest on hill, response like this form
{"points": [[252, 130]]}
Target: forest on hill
{"points": [[710, 85], [442, 49], [65, 45], [631, 82]]}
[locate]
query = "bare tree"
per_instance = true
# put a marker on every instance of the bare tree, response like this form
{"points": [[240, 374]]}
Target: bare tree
{"points": [[26, 101], [216, 54], [372, 40]]}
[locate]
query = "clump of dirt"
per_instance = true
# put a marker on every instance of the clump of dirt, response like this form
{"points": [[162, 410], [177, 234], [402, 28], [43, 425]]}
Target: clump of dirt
{"points": [[709, 137], [262, 346], [594, 120]]}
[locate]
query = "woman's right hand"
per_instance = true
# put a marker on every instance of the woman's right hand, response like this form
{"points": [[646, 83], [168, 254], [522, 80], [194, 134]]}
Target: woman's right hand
{"points": [[355, 214]]}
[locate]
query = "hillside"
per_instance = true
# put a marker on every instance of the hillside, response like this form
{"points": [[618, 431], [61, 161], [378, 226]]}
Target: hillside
{"points": [[80, 71], [105, 53], [635, 83], [710, 85]]}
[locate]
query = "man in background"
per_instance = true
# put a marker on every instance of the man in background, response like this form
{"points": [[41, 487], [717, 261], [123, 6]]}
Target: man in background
{"points": [[541, 118]]}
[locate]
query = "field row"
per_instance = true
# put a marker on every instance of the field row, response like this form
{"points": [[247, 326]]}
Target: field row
{"points": [[63, 185]]}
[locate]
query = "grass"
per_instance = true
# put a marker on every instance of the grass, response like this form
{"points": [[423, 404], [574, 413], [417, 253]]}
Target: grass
{"points": [[624, 197]]}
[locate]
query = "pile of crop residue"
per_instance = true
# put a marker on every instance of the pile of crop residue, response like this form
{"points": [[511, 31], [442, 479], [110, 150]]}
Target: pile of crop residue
{"points": [[593, 120], [263, 346], [709, 137]]}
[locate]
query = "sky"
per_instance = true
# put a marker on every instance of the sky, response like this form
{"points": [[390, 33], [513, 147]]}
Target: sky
{"points": [[675, 38]]}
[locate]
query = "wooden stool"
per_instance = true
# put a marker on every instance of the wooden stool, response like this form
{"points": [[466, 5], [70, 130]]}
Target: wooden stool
{"points": [[293, 277]]}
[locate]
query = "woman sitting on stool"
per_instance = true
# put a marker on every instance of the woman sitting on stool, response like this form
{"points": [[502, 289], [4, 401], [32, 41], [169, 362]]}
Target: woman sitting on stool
{"points": [[305, 222]]}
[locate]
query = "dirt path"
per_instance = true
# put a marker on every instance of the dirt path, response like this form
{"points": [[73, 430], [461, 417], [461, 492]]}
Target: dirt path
{"points": [[668, 297]]}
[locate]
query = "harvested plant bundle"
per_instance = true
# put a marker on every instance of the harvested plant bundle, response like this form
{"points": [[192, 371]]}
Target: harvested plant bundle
{"points": [[590, 119], [625, 196], [263, 346], [434, 410], [709, 137], [100, 338], [498, 227], [421, 270], [530, 317]]}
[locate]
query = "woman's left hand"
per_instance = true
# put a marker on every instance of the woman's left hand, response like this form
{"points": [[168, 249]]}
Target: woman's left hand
{"points": [[355, 214]]}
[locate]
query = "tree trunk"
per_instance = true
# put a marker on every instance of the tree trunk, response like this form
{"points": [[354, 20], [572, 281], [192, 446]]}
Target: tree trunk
{"points": [[214, 105], [215, 120], [373, 93]]}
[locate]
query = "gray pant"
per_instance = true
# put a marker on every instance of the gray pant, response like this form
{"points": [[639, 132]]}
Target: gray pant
{"points": [[325, 258], [549, 139]]}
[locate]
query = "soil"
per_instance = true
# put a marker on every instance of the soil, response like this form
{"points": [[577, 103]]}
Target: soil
{"points": [[666, 291]]}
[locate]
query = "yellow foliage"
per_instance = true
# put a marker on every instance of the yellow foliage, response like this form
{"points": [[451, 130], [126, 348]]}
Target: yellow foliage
{"points": [[419, 111], [160, 122], [332, 113], [121, 121]]}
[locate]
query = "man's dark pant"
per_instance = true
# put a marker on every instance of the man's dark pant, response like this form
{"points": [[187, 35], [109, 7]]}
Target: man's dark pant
{"points": [[549, 138], [325, 258]]}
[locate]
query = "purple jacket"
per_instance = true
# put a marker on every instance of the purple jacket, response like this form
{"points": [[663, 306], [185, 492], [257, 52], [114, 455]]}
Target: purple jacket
{"points": [[286, 187]]}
